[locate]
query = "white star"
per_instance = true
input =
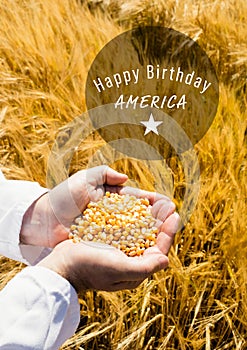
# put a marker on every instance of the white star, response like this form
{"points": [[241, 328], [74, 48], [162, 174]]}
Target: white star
{"points": [[151, 125]]}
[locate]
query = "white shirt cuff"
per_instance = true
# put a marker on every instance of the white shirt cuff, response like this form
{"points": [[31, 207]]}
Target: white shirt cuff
{"points": [[16, 198]]}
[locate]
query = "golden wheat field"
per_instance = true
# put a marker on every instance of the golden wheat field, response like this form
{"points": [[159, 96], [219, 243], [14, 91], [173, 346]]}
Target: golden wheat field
{"points": [[46, 49]]}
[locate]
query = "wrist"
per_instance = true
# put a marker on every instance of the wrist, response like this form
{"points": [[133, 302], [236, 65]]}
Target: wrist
{"points": [[58, 262], [40, 225], [54, 262], [35, 223]]}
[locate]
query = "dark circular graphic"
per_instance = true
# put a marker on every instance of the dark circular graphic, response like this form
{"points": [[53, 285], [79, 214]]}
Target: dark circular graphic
{"points": [[148, 70]]}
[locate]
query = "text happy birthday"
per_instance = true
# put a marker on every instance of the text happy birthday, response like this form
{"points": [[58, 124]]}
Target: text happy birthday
{"points": [[130, 77]]}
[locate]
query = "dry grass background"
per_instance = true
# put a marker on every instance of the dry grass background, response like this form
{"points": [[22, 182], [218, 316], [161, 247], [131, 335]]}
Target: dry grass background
{"points": [[46, 48]]}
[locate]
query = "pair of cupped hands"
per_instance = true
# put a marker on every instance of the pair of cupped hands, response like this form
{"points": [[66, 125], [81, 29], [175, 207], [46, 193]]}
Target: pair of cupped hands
{"points": [[86, 265]]}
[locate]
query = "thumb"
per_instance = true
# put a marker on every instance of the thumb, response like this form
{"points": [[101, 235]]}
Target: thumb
{"points": [[113, 177], [103, 174]]}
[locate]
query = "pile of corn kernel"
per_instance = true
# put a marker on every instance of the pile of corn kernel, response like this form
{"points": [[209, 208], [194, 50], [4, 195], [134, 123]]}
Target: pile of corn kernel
{"points": [[122, 221]]}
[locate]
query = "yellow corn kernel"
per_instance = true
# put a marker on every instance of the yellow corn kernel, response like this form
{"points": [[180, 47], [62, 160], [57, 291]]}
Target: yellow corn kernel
{"points": [[123, 221], [147, 243], [145, 201], [132, 253]]}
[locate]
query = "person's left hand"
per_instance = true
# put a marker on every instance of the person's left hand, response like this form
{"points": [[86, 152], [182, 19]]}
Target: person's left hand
{"points": [[46, 223]]}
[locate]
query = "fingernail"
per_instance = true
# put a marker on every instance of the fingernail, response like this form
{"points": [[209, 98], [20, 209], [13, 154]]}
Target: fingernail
{"points": [[177, 223], [173, 224]]}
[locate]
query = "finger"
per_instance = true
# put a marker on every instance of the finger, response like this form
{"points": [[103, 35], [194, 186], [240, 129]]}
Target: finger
{"points": [[168, 230], [111, 176], [162, 209], [151, 196], [171, 225], [164, 242], [139, 268]]}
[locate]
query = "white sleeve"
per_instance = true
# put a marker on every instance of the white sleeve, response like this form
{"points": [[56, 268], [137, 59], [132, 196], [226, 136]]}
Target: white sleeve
{"points": [[15, 198], [41, 311]]}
